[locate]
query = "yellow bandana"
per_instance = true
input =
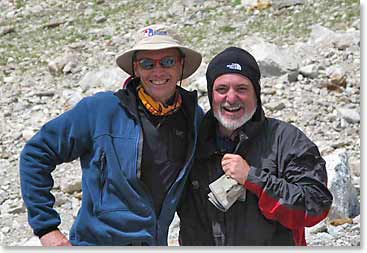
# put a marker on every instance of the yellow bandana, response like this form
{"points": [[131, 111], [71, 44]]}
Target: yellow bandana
{"points": [[157, 108]]}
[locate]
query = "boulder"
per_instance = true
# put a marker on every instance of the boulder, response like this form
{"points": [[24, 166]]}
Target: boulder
{"points": [[345, 202], [272, 60]]}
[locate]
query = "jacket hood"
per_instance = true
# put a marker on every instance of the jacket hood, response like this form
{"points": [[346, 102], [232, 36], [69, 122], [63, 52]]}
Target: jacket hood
{"points": [[239, 61]]}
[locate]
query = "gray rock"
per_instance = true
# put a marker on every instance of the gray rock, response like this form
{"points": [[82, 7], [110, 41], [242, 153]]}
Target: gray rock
{"points": [[345, 202], [63, 64], [5, 230], [203, 101], [356, 24], [275, 106], [336, 70], [100, 19], [72, 97], [27, 134], [310, 71], [349, 115], [248, 3], [200, 84], [325, 37], [318, 228], [279, 4], [7, 29], [292, 76], [109, 79], [272, 60], [70, 184], [355, 167]]}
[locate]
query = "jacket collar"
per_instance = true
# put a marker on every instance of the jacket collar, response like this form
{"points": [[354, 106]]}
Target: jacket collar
{"points": [[127, 96], [128, 99]]}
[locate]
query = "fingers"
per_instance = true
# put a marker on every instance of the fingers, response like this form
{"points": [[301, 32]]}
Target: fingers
{"points": [[235, 166], [230, 162], [230, 158]]}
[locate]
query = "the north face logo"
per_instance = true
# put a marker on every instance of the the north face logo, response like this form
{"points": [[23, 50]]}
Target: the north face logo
{"points": [[234, 66]]}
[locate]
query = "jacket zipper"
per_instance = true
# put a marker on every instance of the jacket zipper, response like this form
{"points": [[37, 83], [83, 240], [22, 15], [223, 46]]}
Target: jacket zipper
{"points": [[138, 175], [103, 177], [187, 162]]}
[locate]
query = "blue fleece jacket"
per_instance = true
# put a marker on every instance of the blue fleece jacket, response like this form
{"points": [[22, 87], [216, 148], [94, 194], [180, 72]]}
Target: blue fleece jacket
{"points": [[116, 210]]}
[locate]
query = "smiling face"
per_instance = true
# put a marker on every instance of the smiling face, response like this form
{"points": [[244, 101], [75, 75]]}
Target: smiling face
{"points": [[159, 82], [234, 101]]}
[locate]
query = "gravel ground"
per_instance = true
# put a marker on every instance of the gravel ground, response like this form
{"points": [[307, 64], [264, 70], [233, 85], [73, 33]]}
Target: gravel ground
{"points": [[53, 53]]}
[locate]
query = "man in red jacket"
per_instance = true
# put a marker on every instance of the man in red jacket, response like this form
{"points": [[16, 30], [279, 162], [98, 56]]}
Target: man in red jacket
{"points": [[256, 180]]}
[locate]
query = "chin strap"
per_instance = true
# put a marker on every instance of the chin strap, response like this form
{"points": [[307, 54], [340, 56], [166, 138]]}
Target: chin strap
{"points": [[183, 66]]}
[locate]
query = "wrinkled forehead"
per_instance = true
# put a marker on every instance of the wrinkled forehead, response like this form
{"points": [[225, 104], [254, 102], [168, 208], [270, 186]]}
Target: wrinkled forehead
{"points": [[232, 79], [158, 53]]}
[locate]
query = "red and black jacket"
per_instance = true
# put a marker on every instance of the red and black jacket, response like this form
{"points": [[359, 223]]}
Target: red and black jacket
{"points": [[286, 188]]}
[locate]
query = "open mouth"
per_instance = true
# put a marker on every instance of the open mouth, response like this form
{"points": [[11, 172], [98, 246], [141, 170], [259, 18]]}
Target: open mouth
{"points": [[232, 109], [159, 82]]}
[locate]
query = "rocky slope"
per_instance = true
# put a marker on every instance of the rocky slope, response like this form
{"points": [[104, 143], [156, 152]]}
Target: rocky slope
{"points": [[53, 53]]}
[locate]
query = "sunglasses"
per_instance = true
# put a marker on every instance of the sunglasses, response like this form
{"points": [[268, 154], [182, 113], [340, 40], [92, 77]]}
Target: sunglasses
{"points": [[165, 62]]}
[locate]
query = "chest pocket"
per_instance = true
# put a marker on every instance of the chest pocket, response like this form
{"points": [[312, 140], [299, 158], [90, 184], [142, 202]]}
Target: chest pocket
{"points": [[126, 150]]}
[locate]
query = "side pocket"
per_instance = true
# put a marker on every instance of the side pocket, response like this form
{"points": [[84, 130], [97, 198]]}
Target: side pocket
{"points": [[103, 174]]}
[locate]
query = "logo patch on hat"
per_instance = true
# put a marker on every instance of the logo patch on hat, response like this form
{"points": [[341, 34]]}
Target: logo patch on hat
{"points": [[150, 32], [235, 66]]}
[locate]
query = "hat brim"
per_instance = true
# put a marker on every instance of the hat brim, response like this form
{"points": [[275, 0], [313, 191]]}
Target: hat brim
{"points": [[191, 63]]}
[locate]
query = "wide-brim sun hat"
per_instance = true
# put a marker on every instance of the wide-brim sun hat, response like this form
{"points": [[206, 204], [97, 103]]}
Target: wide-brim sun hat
{"points": [[157, 37]]}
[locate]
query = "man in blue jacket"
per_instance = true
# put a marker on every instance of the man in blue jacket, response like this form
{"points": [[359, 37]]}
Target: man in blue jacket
{"points": [[135, 146], [256, 180]]}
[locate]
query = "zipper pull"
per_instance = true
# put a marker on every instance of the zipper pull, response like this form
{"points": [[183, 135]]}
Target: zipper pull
{"points": [[242, 138], [102, 178], [102, 161]]}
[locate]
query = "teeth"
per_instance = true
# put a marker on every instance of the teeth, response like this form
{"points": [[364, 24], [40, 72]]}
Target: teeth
{"points": [[159, 82], [232, 108]]}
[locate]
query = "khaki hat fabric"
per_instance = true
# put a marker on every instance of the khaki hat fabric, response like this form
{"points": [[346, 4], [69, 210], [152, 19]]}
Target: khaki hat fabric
{"points": [[157, 37]]}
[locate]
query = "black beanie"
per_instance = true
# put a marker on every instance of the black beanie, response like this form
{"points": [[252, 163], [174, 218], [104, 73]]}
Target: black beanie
{"points": [[233, 60]]}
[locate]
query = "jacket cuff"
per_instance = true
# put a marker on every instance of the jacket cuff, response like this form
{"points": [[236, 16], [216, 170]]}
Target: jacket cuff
{"points": [[42, 232], [252, 174], [252, 182]]}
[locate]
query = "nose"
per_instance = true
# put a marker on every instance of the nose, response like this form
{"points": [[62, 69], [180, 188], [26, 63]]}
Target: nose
{"points": [[158, 72], [157, 66], [232, 96]]}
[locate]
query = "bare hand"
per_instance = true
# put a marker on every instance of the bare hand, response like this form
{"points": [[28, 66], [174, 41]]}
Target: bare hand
{"points": [[54, 238], [236, 167]]}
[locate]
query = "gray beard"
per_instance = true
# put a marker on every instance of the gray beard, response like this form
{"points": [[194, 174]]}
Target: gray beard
{"points": [[230, 124]]}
